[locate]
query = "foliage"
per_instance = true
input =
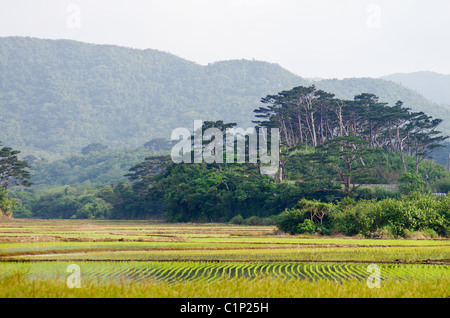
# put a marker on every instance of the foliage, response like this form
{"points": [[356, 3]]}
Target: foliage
{"points": [[391, 217], [306, 217], [307, 226], [388, 91], [107, 166], [202, 192], [94, 147], [59, 95], [117, 201], [441, 185], [394, 217], [13, 171], [6, 204], [18, 284], [346, 156], [348, 129], [410, 182], [331, 144], [290, 220]]}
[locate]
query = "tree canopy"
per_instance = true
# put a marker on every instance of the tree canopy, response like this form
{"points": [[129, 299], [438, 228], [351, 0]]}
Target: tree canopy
{"points": [[13, 172], [59, 96], [312, 117]]}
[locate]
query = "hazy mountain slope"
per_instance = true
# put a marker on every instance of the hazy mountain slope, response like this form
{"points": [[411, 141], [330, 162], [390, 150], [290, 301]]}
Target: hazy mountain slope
{"points": [[104, 167], [57, 96], [434, 86]]}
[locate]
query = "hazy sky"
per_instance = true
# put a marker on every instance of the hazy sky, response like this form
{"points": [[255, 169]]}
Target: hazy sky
{"points": [[312, 38]]}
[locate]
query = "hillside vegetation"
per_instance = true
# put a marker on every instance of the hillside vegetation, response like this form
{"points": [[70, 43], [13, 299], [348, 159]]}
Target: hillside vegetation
{"points": [[92, 123], [57, 96], [434, 86]]}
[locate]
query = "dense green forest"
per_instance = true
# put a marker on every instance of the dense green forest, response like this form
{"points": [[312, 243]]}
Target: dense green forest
{"points": [[106, 166], [92, 122], [58, 96], [339, 161]]}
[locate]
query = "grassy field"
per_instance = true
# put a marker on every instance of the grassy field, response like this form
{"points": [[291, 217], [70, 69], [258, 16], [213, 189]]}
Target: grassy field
{"points": [[151, 259]]}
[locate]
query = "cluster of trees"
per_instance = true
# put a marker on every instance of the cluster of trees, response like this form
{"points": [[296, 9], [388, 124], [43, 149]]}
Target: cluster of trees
{"points": [[91, 184], [116, 201], [58, 96], [313, 117], [331, 148], [389, 92], [324, 157], [96, 164], [13, 172], [415, 214]]}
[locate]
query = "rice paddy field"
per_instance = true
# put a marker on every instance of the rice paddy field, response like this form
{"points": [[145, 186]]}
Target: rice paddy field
{"points": [[39, 258]]}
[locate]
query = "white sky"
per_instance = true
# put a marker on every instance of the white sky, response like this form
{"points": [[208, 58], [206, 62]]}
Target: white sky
{"points": [[312, 38]]}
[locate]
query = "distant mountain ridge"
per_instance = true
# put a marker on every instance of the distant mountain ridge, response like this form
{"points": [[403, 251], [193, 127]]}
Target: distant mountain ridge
{"points": [[60, 95], [57, 96], [432, 85]]}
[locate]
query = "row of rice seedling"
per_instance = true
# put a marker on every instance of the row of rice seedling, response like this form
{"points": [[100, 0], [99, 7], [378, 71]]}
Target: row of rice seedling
{"points": [[171, 272], [18, 285], [178, 257]]}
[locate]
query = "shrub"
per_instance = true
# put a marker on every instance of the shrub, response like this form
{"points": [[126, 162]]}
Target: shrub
{"points": [[365, 194], [6, 204], [381, 194], [397, 216], [386, 231], [307, 226], [411, 182], [346, 202], [431, 233], [441, 185], [305, 217], [318, 211], [270, 220], [362, 218], [415, 212], [253, 220], [238, 219], [94, 208], [425, 234], [290, 219], [392, 217]]}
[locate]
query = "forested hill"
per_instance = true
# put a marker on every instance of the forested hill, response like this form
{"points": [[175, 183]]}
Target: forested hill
{"points": [[57, 96], [60, 95], [432, 85]]}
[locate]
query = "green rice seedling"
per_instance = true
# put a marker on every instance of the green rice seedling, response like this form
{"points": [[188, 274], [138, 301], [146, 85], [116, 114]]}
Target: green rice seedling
{"points": [[239, 259], [18, 285]]}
